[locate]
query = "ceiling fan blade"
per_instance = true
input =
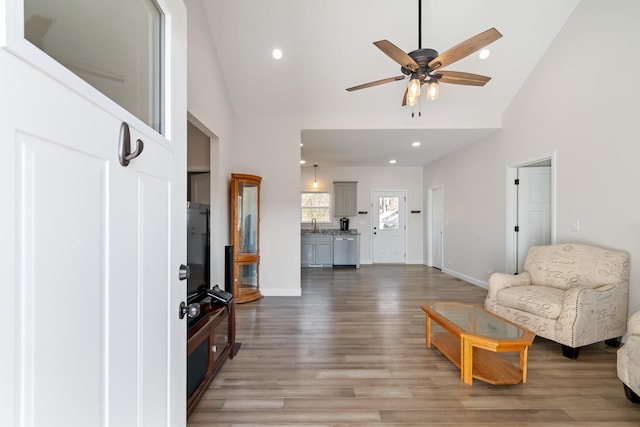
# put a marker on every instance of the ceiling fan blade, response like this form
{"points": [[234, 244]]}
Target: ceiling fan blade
{"points": [[460, 78], [397, 54], [404, 97], [465, 48], [376, 83]]}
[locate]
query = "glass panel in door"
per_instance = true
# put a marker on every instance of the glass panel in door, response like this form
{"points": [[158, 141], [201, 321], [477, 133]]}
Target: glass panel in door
{"points": [[114, 45], [388, 213]]}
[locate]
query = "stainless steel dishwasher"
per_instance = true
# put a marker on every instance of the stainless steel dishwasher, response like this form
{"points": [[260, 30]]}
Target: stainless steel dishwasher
{"points": [[345, 250]]}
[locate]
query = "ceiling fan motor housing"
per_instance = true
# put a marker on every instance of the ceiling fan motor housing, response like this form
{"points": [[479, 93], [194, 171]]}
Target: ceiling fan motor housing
{"points": [[422, 57]]}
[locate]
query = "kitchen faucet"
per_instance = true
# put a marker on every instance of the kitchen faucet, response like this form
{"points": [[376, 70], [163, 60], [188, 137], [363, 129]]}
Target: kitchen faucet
{"points": [[315, 225]]}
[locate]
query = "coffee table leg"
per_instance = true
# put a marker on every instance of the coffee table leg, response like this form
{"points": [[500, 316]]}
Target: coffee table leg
{"points": [[523, 364], [428, 331], [466, 360]]}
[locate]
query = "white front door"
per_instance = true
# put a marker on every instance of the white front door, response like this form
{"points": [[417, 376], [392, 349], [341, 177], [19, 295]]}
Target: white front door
{"points": [[388, 228], [534, 210], [90, 249]]}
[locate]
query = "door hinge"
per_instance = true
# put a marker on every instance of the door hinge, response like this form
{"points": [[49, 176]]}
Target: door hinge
{"points": [[517, 181], [516, 228]]}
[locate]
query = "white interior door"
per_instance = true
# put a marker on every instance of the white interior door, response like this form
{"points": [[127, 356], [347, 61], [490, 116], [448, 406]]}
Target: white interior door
{"points": [[91, 249], [534, 210], [388, 229], [436, 228]]}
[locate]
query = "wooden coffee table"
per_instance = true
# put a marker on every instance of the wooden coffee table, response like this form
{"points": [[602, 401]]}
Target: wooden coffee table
{"points": [[473, 339]]}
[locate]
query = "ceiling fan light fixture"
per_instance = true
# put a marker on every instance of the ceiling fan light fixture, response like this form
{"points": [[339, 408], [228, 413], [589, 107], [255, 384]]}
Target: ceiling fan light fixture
{"points": [[433, 90], [413, 89], [411, 100]]}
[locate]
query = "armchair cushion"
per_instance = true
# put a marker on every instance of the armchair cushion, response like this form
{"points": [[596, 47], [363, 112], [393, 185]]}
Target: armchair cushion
{"points": [[541, 300]]}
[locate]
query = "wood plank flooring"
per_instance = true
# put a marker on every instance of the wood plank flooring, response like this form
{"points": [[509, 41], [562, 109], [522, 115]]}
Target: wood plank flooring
{"points": [[351, 352]]}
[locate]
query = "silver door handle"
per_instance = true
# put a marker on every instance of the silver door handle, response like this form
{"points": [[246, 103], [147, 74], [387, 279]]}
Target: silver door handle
{"points": [[124, 146], [191, 310]]}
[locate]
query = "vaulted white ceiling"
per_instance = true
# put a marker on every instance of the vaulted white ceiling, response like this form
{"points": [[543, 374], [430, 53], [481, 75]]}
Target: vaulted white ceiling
{"points": [[328, 46]]}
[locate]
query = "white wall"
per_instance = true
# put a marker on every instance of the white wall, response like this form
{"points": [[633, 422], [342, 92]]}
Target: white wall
{"points": [[210, 110], [581, 101], [370, 179], [270, 148]]}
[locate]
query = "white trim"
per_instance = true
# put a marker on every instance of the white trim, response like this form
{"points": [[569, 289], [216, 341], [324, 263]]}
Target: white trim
{"points": [[466, 278], [281, 292]]}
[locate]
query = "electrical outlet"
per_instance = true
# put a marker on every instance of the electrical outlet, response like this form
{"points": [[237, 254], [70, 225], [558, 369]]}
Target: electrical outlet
{"points": [[575, 225]]}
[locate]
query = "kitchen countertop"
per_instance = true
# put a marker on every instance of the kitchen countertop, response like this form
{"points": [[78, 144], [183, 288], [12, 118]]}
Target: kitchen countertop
{"points": [[327, 232]]}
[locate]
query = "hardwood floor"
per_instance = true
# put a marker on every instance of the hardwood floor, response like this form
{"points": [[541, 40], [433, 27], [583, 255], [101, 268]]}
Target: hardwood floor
{"points": [[351, 352]]}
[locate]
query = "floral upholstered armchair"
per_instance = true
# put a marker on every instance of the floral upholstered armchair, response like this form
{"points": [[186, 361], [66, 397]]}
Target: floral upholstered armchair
{"points": [[629, 360], [572, 294]]}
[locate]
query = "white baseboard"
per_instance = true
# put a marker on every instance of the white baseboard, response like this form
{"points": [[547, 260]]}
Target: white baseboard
{"points": [[466, 278], [281, 292]]}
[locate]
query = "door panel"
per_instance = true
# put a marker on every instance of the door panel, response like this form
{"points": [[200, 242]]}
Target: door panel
{"points": [[65, 342], [534, 210], [388, 227], [155, 285], [436, 228]]}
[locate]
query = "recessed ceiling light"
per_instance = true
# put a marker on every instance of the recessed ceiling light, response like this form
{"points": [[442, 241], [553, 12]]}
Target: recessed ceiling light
{"points": [[484, 54], [392, 161], [302, 162], [277, 53], [301, 144], [416, 144]]}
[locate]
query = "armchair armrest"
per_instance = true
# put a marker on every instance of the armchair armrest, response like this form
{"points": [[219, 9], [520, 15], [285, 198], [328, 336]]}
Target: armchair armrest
{"points": [[633, 325], [499, 281], [592, 314]]}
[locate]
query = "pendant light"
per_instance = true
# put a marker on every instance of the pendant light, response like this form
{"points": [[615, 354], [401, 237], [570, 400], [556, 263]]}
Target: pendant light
{"points": [[315, 176]]}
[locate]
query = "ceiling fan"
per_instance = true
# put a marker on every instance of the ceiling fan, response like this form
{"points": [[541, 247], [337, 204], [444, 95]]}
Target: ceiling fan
{"points": [[423, 66]]}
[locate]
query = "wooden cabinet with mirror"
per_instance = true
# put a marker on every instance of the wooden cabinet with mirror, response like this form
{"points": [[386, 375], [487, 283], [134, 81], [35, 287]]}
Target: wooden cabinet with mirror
{"points": [[245, 236]]}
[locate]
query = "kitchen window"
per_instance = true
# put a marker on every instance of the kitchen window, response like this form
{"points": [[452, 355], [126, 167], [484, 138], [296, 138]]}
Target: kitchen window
{"points": [[315, 205]]}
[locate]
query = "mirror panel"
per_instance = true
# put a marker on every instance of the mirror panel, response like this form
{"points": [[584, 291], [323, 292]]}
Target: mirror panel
{"points": [[245, 236]]}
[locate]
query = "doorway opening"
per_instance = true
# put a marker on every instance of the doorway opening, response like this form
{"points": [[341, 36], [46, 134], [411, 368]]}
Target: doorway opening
{"points": [[203, 186], [530, 208]]}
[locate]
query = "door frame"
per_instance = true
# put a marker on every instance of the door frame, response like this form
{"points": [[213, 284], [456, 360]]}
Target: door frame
{"points": [[430, 228], [511, 260]]}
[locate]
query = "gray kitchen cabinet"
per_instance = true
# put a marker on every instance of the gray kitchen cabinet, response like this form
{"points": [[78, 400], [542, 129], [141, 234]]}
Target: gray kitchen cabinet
{"points": [[345, 198], [316, 251]]}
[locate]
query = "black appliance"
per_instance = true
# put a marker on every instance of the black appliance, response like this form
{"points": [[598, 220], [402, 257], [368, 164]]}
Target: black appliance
{"points": [[198, 251], [344, 224]]}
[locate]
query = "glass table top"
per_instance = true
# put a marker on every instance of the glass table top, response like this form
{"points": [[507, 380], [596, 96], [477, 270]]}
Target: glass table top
{"points": [[476, 320]]}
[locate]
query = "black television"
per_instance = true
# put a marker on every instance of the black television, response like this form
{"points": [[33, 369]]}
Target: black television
{"points": [[198, 249]]}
